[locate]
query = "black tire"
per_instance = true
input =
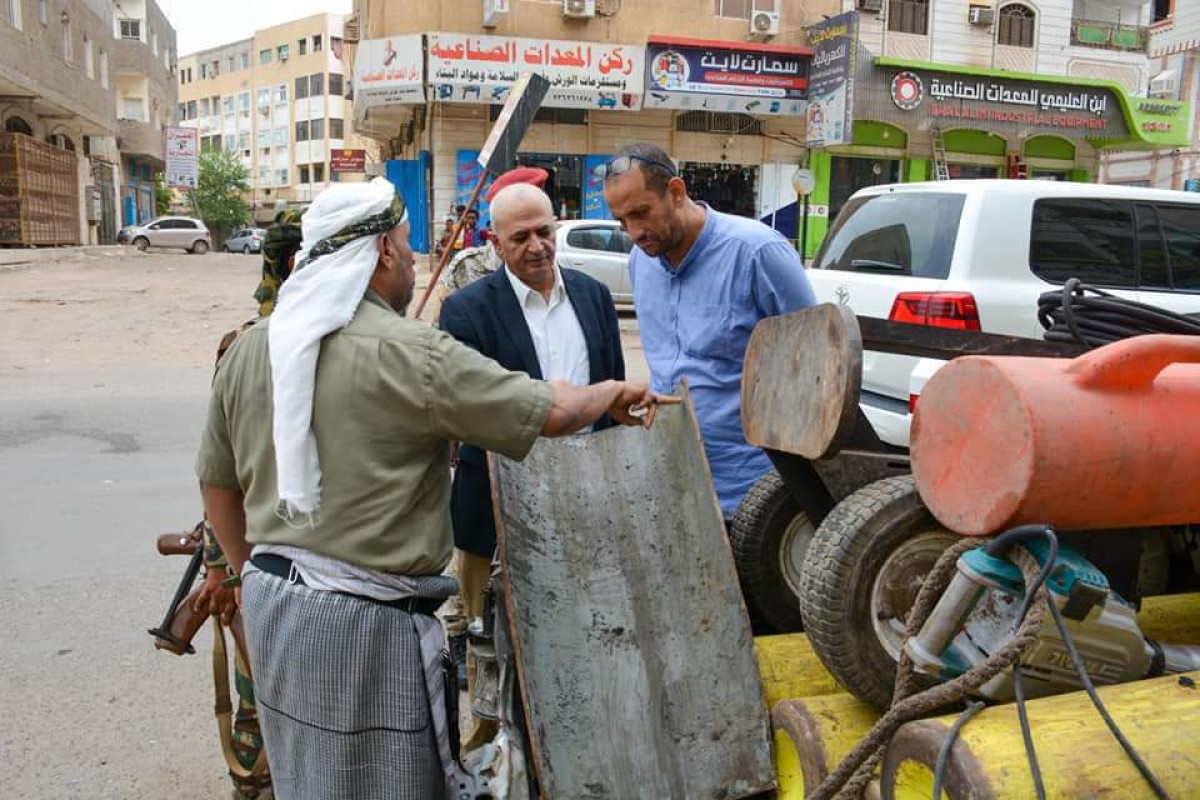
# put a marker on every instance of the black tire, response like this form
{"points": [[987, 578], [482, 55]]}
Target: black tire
{"points": [[850, 598], [141, 243], [769, 535], [246, 250], [225, 248], [200, 247]]}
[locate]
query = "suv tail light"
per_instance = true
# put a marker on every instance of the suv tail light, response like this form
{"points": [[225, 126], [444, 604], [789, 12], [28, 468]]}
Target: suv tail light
{"points": [[955, 310]]}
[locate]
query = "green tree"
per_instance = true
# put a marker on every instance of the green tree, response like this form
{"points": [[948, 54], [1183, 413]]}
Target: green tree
{"points": [[220, 195], [163, 195]]}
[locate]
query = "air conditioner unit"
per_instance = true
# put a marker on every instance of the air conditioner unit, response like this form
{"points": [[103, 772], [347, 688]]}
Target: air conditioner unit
{"points": [[1165, 86], [872, 6], [981, 16], [764, 23], [579, 9]]}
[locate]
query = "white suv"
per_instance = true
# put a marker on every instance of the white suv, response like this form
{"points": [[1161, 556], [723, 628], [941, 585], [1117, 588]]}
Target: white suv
{"points": [[975, 255]]}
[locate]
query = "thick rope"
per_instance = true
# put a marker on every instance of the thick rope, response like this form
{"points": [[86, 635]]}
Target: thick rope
{"points": [[850, 778]]}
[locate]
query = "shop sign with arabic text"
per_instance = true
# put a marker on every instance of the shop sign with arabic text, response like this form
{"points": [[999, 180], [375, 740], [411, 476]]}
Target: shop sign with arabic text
{"points": [[484, 69], [1093, 111], [726, 76], [389, 71]]}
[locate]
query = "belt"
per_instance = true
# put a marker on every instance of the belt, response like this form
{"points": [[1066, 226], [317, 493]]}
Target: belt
{"points": [[284, 568]]}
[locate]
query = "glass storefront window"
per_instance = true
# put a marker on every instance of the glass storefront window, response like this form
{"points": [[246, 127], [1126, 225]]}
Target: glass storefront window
{"points": [[965, 172]]}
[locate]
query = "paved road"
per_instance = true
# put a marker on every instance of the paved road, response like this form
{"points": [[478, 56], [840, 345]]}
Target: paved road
{"points": [[104, 370]]}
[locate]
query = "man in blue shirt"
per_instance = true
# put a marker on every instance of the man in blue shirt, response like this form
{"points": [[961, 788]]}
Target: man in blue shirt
{"points": [[701, 281]]}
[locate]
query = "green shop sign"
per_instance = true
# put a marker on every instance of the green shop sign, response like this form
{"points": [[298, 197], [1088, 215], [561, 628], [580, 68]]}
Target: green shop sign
{"points": [[1099, 111]]}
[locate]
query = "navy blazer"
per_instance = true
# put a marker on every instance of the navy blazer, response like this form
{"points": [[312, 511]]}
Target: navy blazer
{"points": [[486, 316]]}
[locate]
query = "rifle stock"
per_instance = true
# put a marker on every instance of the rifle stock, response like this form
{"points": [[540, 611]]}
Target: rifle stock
{"points": [[183, 627], [180, 623], [179, 544]]}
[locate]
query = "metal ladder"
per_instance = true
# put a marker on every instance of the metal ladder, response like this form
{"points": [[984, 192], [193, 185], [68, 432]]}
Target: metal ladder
{"points": [[941, 171]]}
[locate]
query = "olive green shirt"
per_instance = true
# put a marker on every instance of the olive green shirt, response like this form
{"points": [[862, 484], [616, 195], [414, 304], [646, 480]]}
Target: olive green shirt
{"points": [[390, 394]]}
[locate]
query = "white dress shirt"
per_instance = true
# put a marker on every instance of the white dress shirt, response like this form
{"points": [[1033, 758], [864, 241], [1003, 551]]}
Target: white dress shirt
{"points": [[554, 327]]}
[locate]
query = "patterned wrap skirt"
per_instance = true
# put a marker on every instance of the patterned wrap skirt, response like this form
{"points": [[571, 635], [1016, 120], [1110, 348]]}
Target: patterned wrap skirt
{"points": [[342, 695]]}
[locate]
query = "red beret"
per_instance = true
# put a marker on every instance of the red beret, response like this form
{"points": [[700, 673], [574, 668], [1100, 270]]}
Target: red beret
{"points": [[531, 175]]}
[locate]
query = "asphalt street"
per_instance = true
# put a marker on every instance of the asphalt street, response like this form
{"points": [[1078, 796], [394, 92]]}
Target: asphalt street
{"points": [[105, 360]]}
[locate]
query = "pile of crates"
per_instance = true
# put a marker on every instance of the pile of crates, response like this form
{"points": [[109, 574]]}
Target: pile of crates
{"points": [[39, 193]]}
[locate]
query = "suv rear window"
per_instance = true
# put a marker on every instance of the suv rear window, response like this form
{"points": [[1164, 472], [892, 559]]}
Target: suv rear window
{"points": [[1088, 239], [901, 233]]}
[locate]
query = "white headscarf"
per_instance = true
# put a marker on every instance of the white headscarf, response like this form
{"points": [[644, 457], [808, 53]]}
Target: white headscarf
{"points": [[335, 263]]}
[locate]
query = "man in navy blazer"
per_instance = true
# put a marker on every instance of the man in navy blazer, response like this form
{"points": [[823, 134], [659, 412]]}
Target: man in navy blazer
{"points": [[532, 316]]}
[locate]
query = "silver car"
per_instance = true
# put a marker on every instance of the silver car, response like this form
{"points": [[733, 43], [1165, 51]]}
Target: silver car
{"points": [[245, 240], [183, 233], [599, 248]]}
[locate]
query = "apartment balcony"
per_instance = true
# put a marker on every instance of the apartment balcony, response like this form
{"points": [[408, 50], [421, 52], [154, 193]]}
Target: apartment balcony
{"points": [[137, 138], [1109, 36]]}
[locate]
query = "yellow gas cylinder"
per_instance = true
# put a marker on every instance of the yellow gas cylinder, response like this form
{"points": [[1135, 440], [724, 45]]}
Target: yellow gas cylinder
{"points": [[790, 668], [1077, 753], [813, 735], [1171, 618]]}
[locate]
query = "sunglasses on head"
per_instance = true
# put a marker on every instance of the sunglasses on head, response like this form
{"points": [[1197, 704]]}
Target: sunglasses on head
{"points": [[622, 164]]}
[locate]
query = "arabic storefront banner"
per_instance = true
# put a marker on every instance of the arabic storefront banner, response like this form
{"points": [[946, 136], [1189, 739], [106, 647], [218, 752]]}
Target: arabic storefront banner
{"points": [[390, 71], [830, 115], [483, 69], [726, 76], [1005, 105]]}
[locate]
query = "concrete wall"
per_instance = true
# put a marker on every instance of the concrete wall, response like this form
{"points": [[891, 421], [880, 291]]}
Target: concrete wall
{"points": [[615, 20]]}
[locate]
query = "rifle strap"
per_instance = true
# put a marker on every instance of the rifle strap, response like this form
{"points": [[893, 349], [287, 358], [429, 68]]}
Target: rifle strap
{"points": [[224, 705]]}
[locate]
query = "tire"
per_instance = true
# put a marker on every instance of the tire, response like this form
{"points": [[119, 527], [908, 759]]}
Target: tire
{"points": [[225, 248], [200, 247], [246, 250], [141, 243], [770, 536], [864, 566]]}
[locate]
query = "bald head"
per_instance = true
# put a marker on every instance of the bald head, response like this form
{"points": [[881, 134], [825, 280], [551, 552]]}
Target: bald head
{"points": [[519, 200], [523, 218]]}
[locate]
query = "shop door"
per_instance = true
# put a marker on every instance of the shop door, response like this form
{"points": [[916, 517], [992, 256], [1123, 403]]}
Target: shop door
{"points": [[848, 175], [565, 185], [725, 187], [103, 176]]}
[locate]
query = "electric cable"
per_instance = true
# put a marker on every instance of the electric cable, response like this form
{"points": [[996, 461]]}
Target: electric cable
{"points": [[1090, 688], [973, 708], [1035, 769], [1083, 314]]}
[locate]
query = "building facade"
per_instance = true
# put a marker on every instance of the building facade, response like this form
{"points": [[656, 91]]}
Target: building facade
{"points": [[93, 77], [1175, 50], [278, 100], [737, 149], [873, 91]]}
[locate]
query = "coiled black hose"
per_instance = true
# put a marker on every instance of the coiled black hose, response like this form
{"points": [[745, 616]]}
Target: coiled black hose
{"points": [[1086, 315]]}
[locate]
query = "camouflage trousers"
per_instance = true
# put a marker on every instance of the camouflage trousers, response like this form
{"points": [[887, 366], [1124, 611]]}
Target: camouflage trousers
{"points": [[247, 737]]}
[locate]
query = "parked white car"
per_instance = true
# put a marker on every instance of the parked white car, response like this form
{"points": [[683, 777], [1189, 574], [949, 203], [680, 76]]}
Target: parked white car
{"points": [[975, 255], [183, 233], [599, 248]]}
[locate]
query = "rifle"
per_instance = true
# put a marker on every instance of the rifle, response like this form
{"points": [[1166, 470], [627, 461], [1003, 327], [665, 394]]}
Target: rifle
{"points": [[181, 623]]}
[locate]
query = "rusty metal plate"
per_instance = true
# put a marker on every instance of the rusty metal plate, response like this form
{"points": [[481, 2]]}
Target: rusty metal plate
{"points": [[634, 649], [802, 376]]}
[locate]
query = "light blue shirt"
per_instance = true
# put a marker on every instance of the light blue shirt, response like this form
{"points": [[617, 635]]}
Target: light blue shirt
{"points": [[696, 321]]}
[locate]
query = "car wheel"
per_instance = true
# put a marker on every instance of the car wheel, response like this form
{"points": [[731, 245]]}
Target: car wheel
{"points": [[200, 247], [863, 569], [770, 535], [225, 248], [246, 250], [141, 243]]}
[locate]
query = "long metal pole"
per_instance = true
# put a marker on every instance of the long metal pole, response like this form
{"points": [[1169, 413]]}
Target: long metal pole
{"points": [[804, 234], [445, 257]]}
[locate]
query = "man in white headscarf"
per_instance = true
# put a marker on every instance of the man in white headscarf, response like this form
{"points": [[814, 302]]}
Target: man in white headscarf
{"points": [[338, 521]]}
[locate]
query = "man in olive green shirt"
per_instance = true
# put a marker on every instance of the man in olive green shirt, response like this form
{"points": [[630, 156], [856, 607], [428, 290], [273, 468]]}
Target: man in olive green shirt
{"points": [[350, 533]]}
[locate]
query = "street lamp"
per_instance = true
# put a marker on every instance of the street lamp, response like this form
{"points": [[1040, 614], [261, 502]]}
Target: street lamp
{"points": [[803, 182]]}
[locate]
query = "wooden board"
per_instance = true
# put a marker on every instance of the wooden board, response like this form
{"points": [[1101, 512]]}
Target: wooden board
{"points": [[801, 381], [634, 649]]}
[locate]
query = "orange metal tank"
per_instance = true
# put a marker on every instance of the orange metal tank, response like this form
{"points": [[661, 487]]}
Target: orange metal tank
{"points": [[1107, 440]]}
